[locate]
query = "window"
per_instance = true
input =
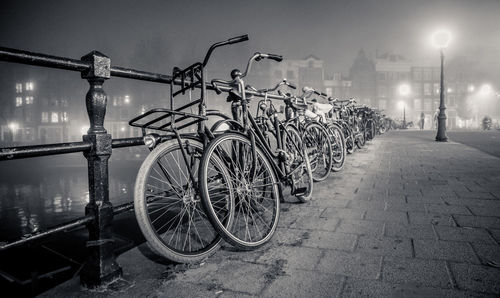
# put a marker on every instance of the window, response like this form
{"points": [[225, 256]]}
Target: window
{"points": [[417, 74], [427, 75], [436, 74], [427, 89], [19, 88], [417, 104], [54, 117], [416, 89], [436, 88], [382, 104], [329, 91], [64, 102], [64, 117], [382, 91], [29, 115], [19, 101], [45, 117], [381, 76], [427, 104], [290, 75], [29, 86], [29, 100]]}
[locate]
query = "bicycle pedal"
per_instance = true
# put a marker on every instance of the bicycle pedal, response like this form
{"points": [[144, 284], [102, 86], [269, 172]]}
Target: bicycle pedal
{"points": [[299, 191]]}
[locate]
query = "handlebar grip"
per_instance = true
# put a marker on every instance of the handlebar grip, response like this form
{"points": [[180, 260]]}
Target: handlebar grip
{"points": [[238, 39], [323, 94], [291, 86], [277, 58]]}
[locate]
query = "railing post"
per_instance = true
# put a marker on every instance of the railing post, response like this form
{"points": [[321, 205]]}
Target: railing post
{"points": [[101, 266]]}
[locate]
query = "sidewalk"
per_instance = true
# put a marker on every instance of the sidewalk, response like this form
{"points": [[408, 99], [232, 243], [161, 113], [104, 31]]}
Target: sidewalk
{"points": [[407, 216]]}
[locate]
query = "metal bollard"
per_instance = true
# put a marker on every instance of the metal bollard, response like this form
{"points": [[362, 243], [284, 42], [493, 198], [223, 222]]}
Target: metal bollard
{"points": [[101, 266]]}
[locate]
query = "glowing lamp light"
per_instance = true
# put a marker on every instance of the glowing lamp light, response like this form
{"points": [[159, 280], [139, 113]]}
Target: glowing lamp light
{"points": [[441, 39], [485, 90], [401, 104], [122, 128], [471, 88], [404, 89], [127, 99], [13, 126]]}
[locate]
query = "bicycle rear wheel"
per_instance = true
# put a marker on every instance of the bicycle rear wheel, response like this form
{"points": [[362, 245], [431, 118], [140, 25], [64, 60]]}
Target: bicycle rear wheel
{"points": [[339, 147], [319, 149], [256, 196], [298, 165], [167, 204]]}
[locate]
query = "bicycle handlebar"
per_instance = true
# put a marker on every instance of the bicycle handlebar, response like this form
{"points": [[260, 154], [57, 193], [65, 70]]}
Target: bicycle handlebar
{"points": [[223, 43]]}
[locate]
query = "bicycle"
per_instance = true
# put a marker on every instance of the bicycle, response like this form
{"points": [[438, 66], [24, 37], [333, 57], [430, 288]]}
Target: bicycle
{"points": [[256, 171], [166, 194]]}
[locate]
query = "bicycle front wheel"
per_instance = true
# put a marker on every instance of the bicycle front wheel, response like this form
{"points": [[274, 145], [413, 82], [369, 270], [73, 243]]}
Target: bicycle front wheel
{"points": [[339, 147], [167, 203], [256, 196]]}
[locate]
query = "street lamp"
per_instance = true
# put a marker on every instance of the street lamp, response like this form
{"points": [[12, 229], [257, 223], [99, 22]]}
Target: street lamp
{"points": [[440, 40], [404, 90], [402, 106]]}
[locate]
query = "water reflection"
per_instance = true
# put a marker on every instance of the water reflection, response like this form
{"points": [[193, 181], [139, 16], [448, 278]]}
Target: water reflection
{"points": [[30, 202]]}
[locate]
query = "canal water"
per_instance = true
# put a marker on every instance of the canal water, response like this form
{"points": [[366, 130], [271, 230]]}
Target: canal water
{"points": [[39, 193]]}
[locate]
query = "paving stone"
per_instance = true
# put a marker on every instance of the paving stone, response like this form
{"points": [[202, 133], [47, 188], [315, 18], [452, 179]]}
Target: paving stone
{"points": [[393, 229], [384, 246], [374, 288], [447, 209], [330, 240], [343, 213], [294, 237], [444, 250], [466, 234], [294, 256], [488, 253], [367, 205], [422, 273], [387, 216], [476, 277], [422, 218], [404, 207], [316, 223], [485, 210], [360, 227], [477, 221], [496, 234], [178, 288], [476, 195], [335, 201], [299, 283], [350, 264], [474, 202], [229, 274]]}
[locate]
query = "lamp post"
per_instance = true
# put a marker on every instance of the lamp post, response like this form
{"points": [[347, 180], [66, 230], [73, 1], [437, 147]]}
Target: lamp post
{"points": [[440, 40], [404, 90]]}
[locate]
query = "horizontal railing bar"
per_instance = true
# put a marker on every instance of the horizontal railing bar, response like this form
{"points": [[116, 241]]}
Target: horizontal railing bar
{"points": [[43, 150], [123, 208], [72, 224], [32, 58], [127, 142]]}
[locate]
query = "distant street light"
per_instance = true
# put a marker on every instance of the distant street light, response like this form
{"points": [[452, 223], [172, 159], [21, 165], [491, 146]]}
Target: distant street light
{"points": [[13, 126], [485, 90], [404, 90], [440, 40], [402, 106]]}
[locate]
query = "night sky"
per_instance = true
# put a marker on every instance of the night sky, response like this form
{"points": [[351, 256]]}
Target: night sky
{"points": [[157, 35]]}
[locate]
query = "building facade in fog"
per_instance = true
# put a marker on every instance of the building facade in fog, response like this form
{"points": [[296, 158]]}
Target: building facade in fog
{"points": [[363, 78]]}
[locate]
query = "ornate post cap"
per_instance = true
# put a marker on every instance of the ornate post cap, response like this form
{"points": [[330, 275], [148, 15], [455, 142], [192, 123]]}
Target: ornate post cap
{"points": [[100, 68]]}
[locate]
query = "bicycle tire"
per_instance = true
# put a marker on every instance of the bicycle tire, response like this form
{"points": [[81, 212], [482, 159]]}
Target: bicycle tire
{"points": [[234, 149], [319, 148], [155, 208]]}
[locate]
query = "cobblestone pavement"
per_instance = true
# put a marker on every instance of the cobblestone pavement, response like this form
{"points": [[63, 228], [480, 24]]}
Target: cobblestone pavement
{"points": [[408, 216]]}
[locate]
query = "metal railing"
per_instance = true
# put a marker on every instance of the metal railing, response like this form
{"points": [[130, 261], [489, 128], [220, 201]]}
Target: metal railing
{"points": [[101, 266]]}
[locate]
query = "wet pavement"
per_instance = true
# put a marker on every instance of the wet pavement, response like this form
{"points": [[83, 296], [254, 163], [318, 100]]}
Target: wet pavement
{"points": [[407, 216]]}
